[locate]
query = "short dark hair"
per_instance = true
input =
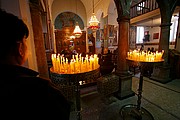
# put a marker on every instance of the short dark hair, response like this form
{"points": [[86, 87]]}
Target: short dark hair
{"points": [[13, 30]]}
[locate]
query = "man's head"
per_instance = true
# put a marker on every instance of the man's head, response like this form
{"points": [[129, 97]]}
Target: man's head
{"points": [[13, 35]]}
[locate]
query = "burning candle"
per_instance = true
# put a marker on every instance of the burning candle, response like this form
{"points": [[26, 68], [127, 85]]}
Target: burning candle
{"points": [[145, 56], [77, 64]]}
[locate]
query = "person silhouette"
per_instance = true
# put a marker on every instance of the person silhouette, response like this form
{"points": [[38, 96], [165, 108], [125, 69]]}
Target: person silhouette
{"points": [[25, 95], [142, 48]]}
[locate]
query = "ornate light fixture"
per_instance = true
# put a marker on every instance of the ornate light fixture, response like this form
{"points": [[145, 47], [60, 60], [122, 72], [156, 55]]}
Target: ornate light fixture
{"points": [[93, 21], [72, 37], [77, 31]]}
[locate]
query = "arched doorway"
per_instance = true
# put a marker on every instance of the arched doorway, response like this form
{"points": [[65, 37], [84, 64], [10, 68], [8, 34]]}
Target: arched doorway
{"points": [[64, 24]]}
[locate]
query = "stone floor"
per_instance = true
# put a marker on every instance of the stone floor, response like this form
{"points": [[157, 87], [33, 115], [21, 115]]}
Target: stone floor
{"points": [[161, 100]]}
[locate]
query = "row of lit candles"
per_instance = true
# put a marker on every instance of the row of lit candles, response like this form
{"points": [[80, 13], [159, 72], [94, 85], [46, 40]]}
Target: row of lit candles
{"points": [[77, 64], [145, 56]]}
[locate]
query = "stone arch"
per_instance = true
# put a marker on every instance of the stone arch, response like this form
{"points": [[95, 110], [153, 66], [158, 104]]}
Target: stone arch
{"points": [[68, 19], [60, 6], [112, 13]]}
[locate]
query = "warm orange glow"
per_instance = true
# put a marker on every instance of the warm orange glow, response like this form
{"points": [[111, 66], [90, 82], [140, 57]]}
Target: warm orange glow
{"points": [[145, 56], [77, 64]]}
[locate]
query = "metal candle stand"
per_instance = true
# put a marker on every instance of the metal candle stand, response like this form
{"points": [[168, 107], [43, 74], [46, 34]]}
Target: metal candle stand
{"points": [[73, 79], [136, 112]]}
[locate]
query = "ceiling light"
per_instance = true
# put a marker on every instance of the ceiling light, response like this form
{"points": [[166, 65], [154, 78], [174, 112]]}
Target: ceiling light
{"points": [[77, 31], [94, 23]]}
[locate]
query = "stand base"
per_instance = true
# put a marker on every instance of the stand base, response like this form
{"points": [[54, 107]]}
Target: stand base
{"points": [[79, 117], [130, 112], [161, 74]]}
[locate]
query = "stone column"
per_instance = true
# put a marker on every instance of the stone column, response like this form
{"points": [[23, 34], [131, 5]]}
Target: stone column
{"points": [[162, 73], [39, 39], [164, 40], [122, 45], [94, 44], [125, 86], [125, 79], [177, 44]]}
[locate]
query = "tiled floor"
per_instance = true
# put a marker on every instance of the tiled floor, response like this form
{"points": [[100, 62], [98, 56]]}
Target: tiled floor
{"points": [[161, 100]]}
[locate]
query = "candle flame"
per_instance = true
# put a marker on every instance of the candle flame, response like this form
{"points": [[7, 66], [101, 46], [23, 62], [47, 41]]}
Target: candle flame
{"points": [[145, 56], [77, 64]]}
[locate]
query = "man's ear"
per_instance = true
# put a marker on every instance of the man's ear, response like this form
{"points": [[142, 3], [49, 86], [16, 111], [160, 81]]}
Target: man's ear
{"points": [[20, 49]]}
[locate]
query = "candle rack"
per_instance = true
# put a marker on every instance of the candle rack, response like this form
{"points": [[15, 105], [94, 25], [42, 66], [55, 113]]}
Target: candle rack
{"points": [[77, 64], [131, 111], [145, 56], [74, 80]]}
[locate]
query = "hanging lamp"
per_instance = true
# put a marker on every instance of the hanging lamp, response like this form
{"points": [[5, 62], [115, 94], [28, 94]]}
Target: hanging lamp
{"points": [[93, 23], [77, 31]]}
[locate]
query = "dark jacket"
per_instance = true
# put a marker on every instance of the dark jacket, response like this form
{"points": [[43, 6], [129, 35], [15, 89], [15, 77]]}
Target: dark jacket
{"points": [[23, 95]]}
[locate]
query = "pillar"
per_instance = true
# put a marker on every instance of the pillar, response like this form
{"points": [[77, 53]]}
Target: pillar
{"points": [[164, 40], [162, 73], [125, 79], [39, 39], [122, 46], [177, 45], [94, 44]]}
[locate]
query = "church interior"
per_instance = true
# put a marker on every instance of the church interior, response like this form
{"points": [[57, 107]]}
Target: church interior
{"points": [[113, 59]]}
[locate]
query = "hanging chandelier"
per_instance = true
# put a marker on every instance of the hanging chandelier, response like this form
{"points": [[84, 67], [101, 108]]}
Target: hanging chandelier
{"points": [[72, 37], [77, 31], [93, 23]]}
